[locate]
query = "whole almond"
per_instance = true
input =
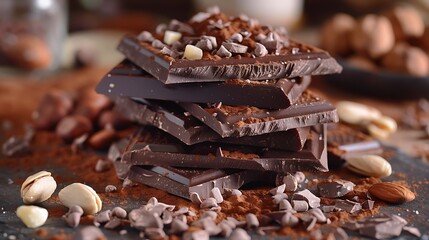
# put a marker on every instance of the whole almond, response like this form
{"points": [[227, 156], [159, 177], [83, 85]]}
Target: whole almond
{"points": [[81, 195], [356, 113], [391, 192]]}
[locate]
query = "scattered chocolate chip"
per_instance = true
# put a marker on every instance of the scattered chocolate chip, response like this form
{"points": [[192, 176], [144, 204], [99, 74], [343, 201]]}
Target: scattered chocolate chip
{"points": [[295, 50], [204, 44], [208, 203], [142, 219], [279, 197], [318, 214], [123, 232], [316, 234], [252, 221], [110, 188], [368, 204], [102, 165], [413, 231], [235, 47], [226, 228], [382, 230], [167, 217], [279, 189], [300, 205], [9, 181], [158, 44], [290, 182], [103, 216], [210, 214], [211, 39], [335, 188], [348, 206], [154, 233], [170, 52], [210, 226], [73, 126], [223, 52], [239, 234], [213, 10], [119, 212], [236, 37], [89, 232], [289, 220], [15, 146], [113, 223], [178, 226], [196, 235], [178, 26], [145, 36], [328, 209], [215, 193], [285, 205], [308, 196], [260, 50], [309, 221], [160, 28], [72, 219]]}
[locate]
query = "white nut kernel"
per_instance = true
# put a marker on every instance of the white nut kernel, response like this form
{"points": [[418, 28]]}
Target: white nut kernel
{"points": [[386, 123], [192, 52], [356, 113], [170, 37], [369, 165], [377, 132], [38, 187], [81, 195], [32, 216]]}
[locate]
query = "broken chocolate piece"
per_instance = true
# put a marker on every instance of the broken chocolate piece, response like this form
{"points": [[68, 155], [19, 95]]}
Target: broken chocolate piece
{"points": [[348, 206], [239, 121], [189, 130], [335, 188], [210, 155], [312, 200], [128, 80], [183, 182]]}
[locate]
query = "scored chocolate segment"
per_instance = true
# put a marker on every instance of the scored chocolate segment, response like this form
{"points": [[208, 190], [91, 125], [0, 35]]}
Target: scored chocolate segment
{"points": [[311, 61], [238, 121], [183, 182], [128, 80], [345, 141], [312, 157], [189, 130]]}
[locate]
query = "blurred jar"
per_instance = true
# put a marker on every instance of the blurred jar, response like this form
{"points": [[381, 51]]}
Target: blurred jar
{"points": [[32, 33], [286, 13]]}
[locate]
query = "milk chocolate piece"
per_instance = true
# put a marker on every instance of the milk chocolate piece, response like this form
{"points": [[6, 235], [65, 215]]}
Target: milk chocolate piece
{"points": [[307, 61], [171, 119], [239, 121], [208, 155], [344, 141], [182, 182], [128, 80]]}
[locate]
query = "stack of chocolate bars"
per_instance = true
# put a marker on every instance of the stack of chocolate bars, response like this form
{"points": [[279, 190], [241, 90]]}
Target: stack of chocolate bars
{"points": [[222, 102]]}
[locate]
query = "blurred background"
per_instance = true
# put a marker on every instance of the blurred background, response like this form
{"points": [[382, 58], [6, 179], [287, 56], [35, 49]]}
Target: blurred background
{"points": [[40, 37]]}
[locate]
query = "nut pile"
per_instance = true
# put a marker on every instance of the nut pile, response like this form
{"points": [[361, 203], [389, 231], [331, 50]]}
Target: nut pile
{"points": [[395, 40]]}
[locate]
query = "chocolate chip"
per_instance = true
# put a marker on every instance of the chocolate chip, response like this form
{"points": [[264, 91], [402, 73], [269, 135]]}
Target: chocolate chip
{"points": [[383, 230], [236, 37], [348, 206], [178, 226], [167, 217], [110, 188], [236, 222], [103, 217], [300, 177], [155, 233], [260, 50], [226, 229], [308, 196], [289, 220], [158, 44], [170, 52], [328, 209], [208, 203], [113, 223], [235, 47], [413, 231], [290, 182], [279, 197], [368, 204], [196, 235], [223, 52], [309, 221], [300, 205], [285, 205], [239, 234], [340, 234], [119, 212], [204, 44], [279, 189], [73, 126], [141, 219], [252, 221], [211, 39], [15, 146], [210, 214], [318, 214], [210, 226], [160, 28], [335, 188], [89, 232], [199, 17], [102, 165], [145, 36], [72, 219], [178, 26]]}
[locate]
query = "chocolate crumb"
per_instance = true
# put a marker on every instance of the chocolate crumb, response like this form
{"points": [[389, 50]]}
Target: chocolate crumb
{"points": [[145, 36], [15, 146], [110, 188]]}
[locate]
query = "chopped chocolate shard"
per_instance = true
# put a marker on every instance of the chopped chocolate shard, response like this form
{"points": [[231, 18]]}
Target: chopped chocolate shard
{"points": [[205, 44], [158, 44], [236, 37], [348, 206], [129, 80], [312, 200], [300, 205], [413, 231], [368, 204], [235, 47], [169, 52], [290, 182], [178, 26], [223, 52], [382, 230], [335, 188], [260, 50], [145, 36], [289, 219]]}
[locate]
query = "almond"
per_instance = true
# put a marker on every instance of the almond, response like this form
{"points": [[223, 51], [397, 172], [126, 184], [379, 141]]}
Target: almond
{"points": [[391, 192]]}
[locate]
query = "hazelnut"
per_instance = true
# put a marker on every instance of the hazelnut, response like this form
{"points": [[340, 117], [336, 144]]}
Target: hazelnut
{"points": [[407, 59], [336, 33], [406, 22]]}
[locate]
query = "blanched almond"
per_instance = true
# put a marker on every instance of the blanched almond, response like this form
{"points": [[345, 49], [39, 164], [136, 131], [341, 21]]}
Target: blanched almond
{"points": [[81, 195], [356, 113], [369, 165]]}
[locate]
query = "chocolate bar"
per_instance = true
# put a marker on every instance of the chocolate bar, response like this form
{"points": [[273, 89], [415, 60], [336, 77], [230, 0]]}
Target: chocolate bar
{"points": [[313, 157], [189, 130], [345, 141], [183, 182], [223, 48], [239, 121], [128, 80]]}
